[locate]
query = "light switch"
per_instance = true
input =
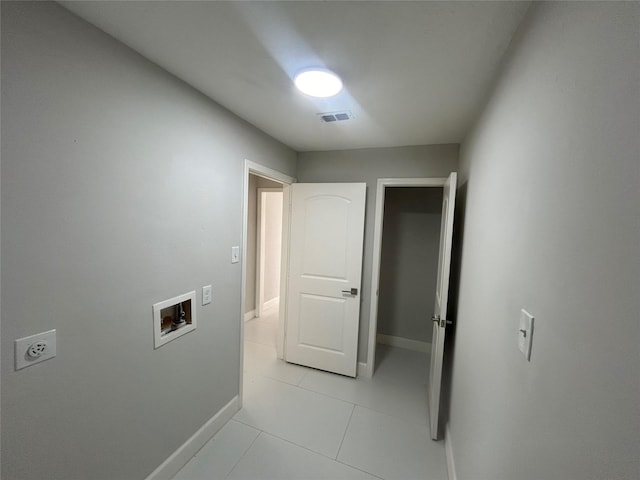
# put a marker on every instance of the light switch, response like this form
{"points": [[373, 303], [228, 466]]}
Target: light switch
{"points": [[525, 333], [235, 254], [206, 295]]}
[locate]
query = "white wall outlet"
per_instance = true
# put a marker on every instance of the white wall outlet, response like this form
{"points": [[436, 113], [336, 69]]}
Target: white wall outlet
{"points": [[35, 349], [525, 333], [206, 295], [235, 254]]}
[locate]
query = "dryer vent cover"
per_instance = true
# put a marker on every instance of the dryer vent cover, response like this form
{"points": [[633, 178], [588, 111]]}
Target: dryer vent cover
{"points": [[335, 116]]}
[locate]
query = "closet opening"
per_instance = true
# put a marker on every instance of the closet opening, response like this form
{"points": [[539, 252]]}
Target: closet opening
{"points": [[408, 267]]}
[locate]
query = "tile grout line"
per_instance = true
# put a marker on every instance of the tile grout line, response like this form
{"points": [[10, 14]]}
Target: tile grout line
{"points": [[326, 395], [305, 389], [290, 442], [353, 409], [245, 452], [402, 419], [298, 385], [310, 451], [342, 442], [302, 446], [298, 445], [360, 469], [246, 424], [301, 379], [328, 457]]}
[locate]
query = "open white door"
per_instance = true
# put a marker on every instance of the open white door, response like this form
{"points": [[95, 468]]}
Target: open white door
{"points": [[442, 294], [325, 271]]}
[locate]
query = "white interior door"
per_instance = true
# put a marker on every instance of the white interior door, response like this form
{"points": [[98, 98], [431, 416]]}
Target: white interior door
{"points": [[325, 271], [442, 295]]}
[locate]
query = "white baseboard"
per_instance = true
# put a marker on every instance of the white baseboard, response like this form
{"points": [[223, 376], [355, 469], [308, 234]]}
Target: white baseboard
{"points": [[271, 304], [448, 448], [250, 315], [178, 459], [361, 369], [401, 342]]}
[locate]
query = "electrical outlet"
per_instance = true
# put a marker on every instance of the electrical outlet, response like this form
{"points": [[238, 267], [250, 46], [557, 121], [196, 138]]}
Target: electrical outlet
{"points": [[206, 295], [35, 349]]}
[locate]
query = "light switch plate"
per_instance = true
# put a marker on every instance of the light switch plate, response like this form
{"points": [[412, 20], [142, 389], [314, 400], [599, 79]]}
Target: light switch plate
{"points": [[235, 254], [525, 333], [35, 349], [206, 295]]}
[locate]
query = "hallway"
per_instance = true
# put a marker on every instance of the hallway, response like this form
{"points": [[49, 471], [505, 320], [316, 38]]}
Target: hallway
{"points": [[300, 423]]}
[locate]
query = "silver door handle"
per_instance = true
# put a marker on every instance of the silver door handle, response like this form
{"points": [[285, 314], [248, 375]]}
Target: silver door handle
{"points": [[441, 322], [353, 291]]}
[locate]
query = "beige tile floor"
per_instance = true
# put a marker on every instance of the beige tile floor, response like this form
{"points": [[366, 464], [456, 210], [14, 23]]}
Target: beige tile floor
{"points": [[300, 423]]}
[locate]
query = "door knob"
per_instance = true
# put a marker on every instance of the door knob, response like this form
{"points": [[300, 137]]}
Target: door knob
{"points": [[353, 291], [440, 321]]}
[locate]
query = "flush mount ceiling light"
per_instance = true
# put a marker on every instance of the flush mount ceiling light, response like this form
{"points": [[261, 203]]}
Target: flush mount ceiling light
{"points": [[318, 83]]}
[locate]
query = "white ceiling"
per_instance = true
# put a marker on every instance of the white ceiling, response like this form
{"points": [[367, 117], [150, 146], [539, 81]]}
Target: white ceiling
{"points": [[415, 72]]}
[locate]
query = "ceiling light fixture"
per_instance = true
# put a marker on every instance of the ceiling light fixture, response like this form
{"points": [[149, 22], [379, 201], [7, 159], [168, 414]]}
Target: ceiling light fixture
{"points": [[318, 83]]}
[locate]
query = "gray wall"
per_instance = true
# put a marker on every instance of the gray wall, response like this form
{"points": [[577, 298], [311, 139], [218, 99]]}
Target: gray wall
{"points": [[255, 182], [121, 187], [551, 174], [409, 262], [367, 165]]}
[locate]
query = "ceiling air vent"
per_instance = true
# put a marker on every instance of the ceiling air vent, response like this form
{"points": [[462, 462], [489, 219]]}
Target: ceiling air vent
{"points": [[335, 116]]}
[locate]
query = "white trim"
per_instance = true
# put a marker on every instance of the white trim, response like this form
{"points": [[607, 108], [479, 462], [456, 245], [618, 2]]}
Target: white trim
{"points": [[383, 183], [250, 315], [448, 448], [252, 168], [413, 182], [271, 304], [284, 270], [268, 173], [178, 459], [259, 279], [361, 369], [406, 343]]}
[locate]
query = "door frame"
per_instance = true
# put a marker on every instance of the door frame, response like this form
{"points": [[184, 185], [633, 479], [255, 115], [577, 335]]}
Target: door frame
{"points": [[260, 247], [383, 184], [253, 168]]}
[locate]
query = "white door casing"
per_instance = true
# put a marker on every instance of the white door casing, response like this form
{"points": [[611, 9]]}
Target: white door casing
{"points": [[325, 264], [442, 296]]}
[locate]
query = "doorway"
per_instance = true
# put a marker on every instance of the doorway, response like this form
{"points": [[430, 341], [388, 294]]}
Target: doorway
{"points": [[408, 267], [269, 250], [405, 224], [262, 266], [440, 293], [264, 208], [264, 243]]}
